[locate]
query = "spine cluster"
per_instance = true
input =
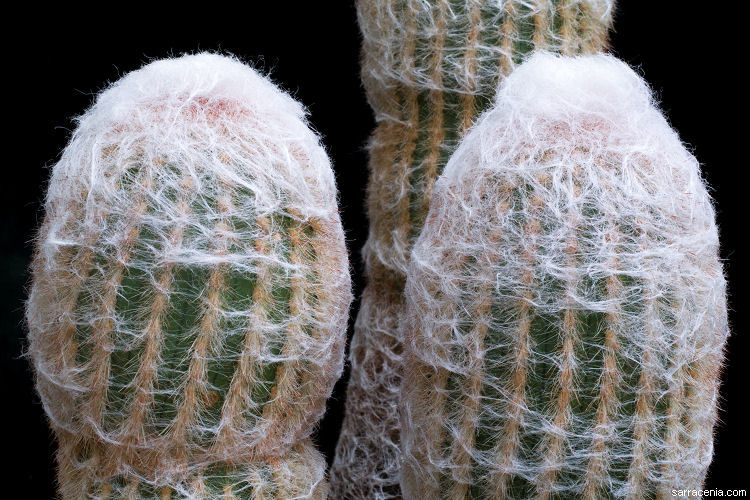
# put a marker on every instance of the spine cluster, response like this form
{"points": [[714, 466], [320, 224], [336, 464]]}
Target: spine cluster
{"points": [[429, 69], [565, 302], [190, 289]]}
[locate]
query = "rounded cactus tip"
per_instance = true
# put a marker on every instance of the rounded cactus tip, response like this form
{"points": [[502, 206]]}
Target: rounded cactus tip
{"points": [[550, 84], [204, 78]]}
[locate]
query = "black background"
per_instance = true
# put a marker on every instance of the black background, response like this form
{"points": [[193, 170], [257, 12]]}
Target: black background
{"points": [[60, 60]]}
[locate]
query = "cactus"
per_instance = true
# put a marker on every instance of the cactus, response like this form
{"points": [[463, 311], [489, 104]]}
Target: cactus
{"points": [[566, 308], [429, 68], [190, 285], [300, 473]]}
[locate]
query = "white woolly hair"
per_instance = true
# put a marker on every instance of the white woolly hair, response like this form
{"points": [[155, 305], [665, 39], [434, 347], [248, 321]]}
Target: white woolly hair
{"points": [[195, 163], [566, 308], [200, 102]]}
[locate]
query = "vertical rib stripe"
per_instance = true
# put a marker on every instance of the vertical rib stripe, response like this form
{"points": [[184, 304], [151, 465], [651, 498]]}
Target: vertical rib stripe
{"points": [[103, 326], [506, 448], [80, 268], [508, 36], [323, 263], [594, 35], [384, 187], [609, 382], [702, 374], [386, 167], [239, 396], [470, 67], [561, 419], [402, 230], [671, 466], [432, 383], [553, 460], [430, 410], [196, 395], [568, 16], [435, 132], [133, 428], [287, 390], [460, 456], [645, 422], [541, 24]]}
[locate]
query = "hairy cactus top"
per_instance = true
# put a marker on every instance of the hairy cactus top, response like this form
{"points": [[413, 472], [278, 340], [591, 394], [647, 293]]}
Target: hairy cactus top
{"points": [[566, 307], [190, 284]]}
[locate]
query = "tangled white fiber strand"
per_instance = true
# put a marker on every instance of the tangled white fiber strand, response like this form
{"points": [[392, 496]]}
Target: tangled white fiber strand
{"points": [[566, 310], [190, 289]]}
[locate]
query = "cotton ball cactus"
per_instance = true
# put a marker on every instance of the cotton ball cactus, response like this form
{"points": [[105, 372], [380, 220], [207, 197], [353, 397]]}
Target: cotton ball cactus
{"points": [[190, 286], [566, 308], [429, 68]]}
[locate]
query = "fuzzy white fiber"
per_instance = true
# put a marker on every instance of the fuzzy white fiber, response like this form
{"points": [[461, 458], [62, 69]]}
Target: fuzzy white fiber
{"points": [[566, 308], [190, 285]]}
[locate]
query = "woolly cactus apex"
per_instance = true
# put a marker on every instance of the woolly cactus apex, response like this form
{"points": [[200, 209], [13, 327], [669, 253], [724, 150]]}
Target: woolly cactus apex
{"points": [[299, 473], [190, 284], [429, 67], [566, 305]]}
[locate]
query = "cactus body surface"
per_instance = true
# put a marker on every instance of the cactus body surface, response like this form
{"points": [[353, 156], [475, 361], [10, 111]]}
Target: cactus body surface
{"points": [[299, 473], [429, 69], [190, 285], [566, 308]]}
